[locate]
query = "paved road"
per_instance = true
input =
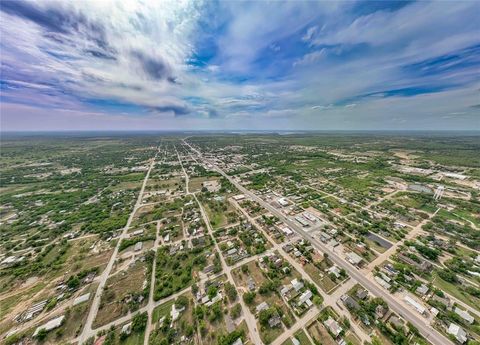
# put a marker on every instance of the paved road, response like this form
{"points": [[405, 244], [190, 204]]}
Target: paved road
{"points": [[87, 329], [249, 318], [328, 300], [426, 330]]}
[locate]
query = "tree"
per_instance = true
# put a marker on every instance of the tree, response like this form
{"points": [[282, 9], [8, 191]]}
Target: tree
{"points": [[249, 297], [139, 322], [181, 301], [230, 291], [235, 311], [42, 334], [212, 291]]}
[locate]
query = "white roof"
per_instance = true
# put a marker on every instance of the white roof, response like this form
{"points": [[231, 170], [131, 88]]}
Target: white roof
{"points": [[238, 342], [354, 258], [458, 332], [333, 326], [262, 306], [81, 299], [52, 324], [239, 197], [418, 307], [464, 315], [305, 296]]}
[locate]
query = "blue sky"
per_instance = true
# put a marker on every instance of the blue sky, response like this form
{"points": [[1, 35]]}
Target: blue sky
{"points": [[81, 65]]}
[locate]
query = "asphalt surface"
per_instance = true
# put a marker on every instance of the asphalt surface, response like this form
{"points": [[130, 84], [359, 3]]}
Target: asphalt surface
{"points": [[425, 330]]}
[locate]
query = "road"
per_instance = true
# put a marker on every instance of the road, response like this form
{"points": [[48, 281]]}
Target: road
{"points": [[425, 329], [328, 300], [87, 331], [249, 318]]}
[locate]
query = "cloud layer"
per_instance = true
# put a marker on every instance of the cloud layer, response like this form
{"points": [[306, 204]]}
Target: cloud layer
{"points": [[239, 65]]}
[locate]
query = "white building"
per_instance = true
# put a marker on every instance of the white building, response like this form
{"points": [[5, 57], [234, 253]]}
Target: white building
{"points": [[52, 324], [333, 326], [354, 258], [464, 315], [418, 307], [81, 299], [458, 332]]}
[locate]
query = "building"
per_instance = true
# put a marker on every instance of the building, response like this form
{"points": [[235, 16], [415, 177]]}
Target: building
{"points": [[350, 303], [382, 282], [464, 315], [261, 306], [138, 246], [361, 293], [283, 202], [286, 230], [333, 326], [251, 284], [52, 324], [302, 221], [334, 270], [305, 298], [81, 299], [274, 321], [238, 342], [422, 290], [354, 258], [458, 332], [417, 306], [297, 285], [239, 197], [423, 266], [127, 328]]}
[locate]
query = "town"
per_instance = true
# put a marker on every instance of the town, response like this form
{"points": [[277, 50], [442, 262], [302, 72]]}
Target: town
{"points": [[232, 239]]}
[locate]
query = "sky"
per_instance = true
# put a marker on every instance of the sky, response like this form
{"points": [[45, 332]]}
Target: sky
{"points": [[239, 65]]}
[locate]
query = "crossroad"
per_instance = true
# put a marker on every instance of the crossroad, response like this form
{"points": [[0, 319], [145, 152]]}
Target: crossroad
{"points": [[423, 327]]}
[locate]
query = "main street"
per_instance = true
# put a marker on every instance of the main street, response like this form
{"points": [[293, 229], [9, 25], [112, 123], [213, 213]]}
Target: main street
{"points": [[424, 328]]}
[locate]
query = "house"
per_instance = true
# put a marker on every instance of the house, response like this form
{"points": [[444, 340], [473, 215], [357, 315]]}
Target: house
{"points": [[361, 294], [333, 326], [274, 321], [350, 303], [285, 290], [422, 290], [261, 306], [286, 230], [464, 315], [305, 298], [127, 329], [175, 313], [238, 342], [354, 258], [138, 246], [251, 284], [395, 320], [380, 311], [297, 285], [334, 270], [458, 332]]}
